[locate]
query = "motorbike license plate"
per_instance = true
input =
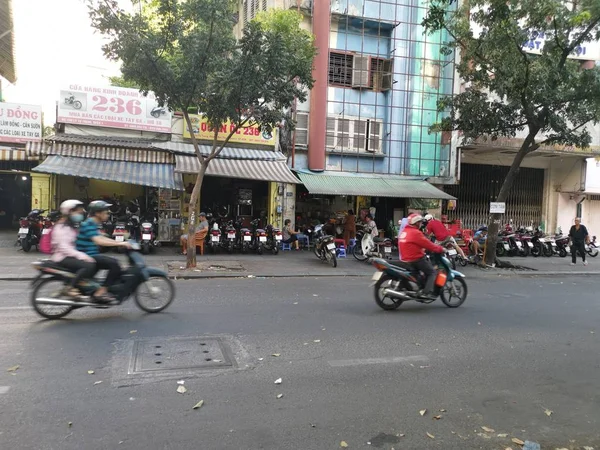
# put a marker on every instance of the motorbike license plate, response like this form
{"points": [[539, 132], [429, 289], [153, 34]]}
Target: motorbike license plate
{"points": [[529, 244], [146, 237], [262, 239], [331, 246], [377, 276], [247, 238], [452, 252], [119, 238], [388, 249], [279, 238], [506, 246], [554, 244], [46, 231], [214, 238], [231, 236], [519, 244], [23, 230]]}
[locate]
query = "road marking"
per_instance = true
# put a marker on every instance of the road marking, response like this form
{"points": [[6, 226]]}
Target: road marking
{"points": [[364, 362], [4, 389]]}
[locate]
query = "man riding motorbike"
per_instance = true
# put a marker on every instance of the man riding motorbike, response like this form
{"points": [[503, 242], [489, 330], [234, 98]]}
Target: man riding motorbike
{"points": [[413, 244], [89, 239], [441, 234]]}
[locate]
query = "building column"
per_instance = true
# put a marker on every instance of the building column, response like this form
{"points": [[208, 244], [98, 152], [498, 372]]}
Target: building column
{"points": [[318, 95]]}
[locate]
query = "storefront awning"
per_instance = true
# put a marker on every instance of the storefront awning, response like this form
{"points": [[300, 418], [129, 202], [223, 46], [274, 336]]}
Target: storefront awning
{"points": [[11, 154], [142, 174], [373, 186], [248, 169]]}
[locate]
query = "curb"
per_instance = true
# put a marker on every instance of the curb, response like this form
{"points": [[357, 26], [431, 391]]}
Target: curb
{"points": [[482, 274]]}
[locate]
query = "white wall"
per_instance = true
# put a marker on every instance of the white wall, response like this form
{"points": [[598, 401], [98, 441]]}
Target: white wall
{"points": [[592, 176]]}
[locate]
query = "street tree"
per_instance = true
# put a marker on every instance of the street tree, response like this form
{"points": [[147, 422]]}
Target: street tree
{"points": [[517, 60], [186, 53]]}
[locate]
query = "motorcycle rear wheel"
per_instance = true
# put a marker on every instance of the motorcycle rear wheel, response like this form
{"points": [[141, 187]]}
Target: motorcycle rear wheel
{"points": [[536, 251], [500, 251], [331, 258], [25, 245], [145, 248], [460, 286], [593, 252], [547, 251], [275, 249], [157, 287], [562, 253], [358, 253], [54, 288], [383, 283]]}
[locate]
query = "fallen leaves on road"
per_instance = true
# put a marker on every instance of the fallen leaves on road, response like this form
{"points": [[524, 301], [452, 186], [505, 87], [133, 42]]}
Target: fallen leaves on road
{"points": [[13, 368], [181, 382], [502, 435], [91, 372], [442, 410], [181, 389], [488, 430], [198, 405], [97, 382], [295, 303], [548, 412], [437, 417], [316, 341], [133, 332], [279, 396], [260, 359], [344, 444], [430, 436], [278, 381], [276, 355], [423, 412], [517, 441], [70, 424]]}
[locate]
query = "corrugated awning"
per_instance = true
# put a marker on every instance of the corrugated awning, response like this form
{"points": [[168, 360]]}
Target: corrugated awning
{"points": [[7, 42], [227, 152], [374, 186], [11, 154], [249, 169], [142, 174]]}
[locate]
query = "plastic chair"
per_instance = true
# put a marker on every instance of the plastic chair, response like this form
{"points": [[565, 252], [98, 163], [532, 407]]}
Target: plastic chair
{"points": [[351, 245], [304, 240], [286, 247]]}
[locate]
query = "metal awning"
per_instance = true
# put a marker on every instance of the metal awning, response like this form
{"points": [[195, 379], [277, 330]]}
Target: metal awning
{"points": [[7, 42], [249, 169], [142, 174], [12, 154], [373, 186], [227, 152]]}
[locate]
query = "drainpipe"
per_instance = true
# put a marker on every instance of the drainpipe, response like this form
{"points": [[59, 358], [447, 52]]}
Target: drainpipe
{"points": [[318, 96]]}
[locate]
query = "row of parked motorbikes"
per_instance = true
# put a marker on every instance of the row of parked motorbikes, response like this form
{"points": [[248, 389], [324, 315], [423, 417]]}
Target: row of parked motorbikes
{"points": [[533, 242]]}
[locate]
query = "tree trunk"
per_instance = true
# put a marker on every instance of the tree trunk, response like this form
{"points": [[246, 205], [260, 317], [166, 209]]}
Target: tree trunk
{"points": [[193, 209], [494, 219]]}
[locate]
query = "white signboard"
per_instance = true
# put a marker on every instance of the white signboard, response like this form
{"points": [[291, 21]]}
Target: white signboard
{"points": [[587, 50], [497, 208], [113, 107], [20, 123]]}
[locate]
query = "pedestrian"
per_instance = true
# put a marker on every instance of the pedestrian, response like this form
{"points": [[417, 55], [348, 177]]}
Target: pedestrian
{"points": [[579, 237], [349, 227]]}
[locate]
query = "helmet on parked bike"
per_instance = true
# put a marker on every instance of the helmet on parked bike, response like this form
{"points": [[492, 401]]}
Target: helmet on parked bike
{"points": [[413, 219], [69, 205], [98, 206]]}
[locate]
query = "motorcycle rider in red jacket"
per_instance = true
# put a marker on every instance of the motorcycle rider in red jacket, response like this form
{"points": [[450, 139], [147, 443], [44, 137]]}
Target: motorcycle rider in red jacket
{"points": [[413, 244]]}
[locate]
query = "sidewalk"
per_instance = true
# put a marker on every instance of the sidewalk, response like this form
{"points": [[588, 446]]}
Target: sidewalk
{"points": [[16, 265]]}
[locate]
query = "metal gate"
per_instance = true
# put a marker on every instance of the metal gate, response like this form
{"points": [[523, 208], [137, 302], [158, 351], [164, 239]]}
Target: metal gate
{"points": [[480, 184]]}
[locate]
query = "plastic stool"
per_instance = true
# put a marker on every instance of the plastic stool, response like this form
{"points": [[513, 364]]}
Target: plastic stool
{"points": [[351, 244], [286, 247], [341, 248], [304, 240]]}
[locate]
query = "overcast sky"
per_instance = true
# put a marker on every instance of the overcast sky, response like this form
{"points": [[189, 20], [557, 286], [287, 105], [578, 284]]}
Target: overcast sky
{"points": [[55, 46]]}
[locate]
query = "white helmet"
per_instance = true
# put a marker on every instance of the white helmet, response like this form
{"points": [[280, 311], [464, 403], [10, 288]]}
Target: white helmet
{"points": [[69, 205], [428, 217], [415, 218]]}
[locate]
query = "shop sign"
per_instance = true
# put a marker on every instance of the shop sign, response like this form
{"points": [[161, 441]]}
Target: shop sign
{"points": [[20, 123], [113, 107], [246, 135]]}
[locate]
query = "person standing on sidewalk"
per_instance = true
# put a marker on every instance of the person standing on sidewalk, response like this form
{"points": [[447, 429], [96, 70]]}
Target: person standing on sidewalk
{"points": [[349, 227], [579, 237]]}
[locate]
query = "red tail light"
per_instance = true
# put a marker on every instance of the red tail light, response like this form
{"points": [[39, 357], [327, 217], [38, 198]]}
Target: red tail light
{"points": [[215, 233], [24, 223]]}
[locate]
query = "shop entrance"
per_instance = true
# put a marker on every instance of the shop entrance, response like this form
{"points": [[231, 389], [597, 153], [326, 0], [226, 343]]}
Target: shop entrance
{"points": [[15, 193]]}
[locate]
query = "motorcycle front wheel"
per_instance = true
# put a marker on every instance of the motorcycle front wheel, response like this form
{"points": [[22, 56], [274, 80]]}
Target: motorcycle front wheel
{"points": [[275, 249], [548, 251], [500, 251], [562, 253], [77, 104], [593, 252], [536, 251], [383, 301], [358, 253], [50, 288], [331, 258], [455, 289], [155, 294]]}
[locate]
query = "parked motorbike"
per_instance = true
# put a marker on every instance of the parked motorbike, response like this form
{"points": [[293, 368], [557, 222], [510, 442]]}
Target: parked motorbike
{"points": [[371, 247], [72, 101], [562, 246], [121, 231], [274, 237], [397, 282], [229, 237], [591, 248], [324, 246], [31, 229], [245, 238], [149, 232], [213, 237], [151, 288], [259, 237]]}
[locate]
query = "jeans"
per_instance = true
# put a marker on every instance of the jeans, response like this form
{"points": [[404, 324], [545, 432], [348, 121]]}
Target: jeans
{"points": [[83, 270], [112, 265], [425, 266], [577, 247]]}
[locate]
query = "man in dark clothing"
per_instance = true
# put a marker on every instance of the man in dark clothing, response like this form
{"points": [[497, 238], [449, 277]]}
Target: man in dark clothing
{"points": [[579, 237]]}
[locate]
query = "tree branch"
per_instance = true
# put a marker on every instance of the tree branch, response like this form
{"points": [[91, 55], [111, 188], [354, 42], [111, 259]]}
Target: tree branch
{"points": [[567, 51]]}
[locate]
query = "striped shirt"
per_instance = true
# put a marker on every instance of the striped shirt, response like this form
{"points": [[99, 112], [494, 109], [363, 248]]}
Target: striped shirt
{"points": [[87, 231]]}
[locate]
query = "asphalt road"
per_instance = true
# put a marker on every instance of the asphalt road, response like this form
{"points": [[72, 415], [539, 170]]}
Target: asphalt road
{"points": [[519, 357]]}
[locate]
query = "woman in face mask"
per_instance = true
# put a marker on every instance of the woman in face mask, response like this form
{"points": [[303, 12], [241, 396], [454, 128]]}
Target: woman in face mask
{"points": [[64, 251]]}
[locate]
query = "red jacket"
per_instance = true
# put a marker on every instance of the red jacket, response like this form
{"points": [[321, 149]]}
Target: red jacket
{"points": [[413, 244]]}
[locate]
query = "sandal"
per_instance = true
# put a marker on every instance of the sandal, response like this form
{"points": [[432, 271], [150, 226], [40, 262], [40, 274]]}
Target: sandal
{"points": [[104, 298]]}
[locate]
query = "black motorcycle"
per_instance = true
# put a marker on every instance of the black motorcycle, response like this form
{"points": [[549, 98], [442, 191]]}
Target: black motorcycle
{"points": [[229, 237], [324, 246], [274, 237], [151, 288], [30, 229], [213, 237], [259, 237]]}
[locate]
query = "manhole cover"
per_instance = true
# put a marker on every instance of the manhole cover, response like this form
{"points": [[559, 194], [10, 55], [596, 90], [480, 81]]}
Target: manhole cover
{"points": [[179, 354]]}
